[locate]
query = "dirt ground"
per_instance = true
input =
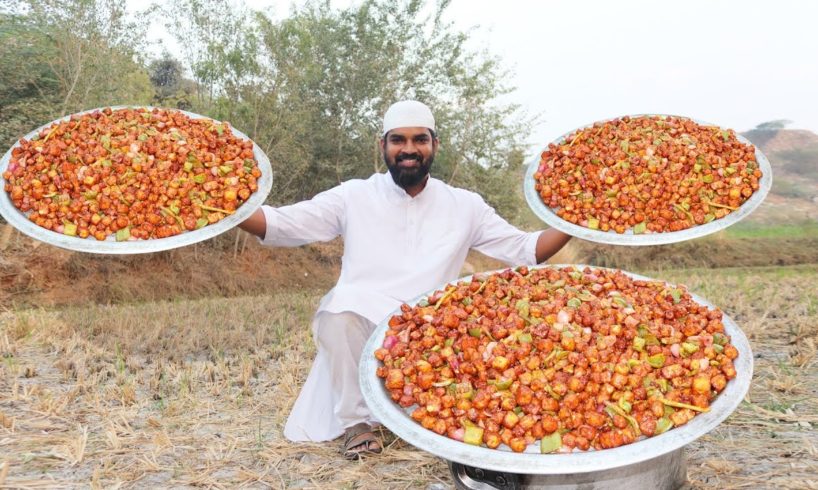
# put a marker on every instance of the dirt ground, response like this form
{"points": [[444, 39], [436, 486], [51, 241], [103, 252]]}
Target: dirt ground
{"points": [[36, 275]]}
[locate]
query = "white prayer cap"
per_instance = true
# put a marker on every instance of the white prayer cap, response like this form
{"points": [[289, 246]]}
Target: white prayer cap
{"points": [[408, 114]]}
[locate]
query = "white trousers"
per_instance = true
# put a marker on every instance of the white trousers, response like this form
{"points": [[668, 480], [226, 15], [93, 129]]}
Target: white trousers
{"points": [[331, 399]]}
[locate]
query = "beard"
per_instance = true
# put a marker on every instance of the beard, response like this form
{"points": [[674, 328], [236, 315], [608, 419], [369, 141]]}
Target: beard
{"points": [[409, 177]]}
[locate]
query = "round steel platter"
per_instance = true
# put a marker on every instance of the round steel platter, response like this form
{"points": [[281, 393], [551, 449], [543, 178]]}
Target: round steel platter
{"points": [[531, 461], [20, 221], [629, 238]]}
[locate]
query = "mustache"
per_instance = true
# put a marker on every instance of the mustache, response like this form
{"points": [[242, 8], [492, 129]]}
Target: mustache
{"points": [[408, 156]]}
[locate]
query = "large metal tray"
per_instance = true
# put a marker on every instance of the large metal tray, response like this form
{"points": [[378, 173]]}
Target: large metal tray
{"points": [[629, 238], [531, 461], [110, 246]]}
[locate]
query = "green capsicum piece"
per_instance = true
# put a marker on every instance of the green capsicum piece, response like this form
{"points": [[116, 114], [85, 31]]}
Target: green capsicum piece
{"points": [[551, 443]]}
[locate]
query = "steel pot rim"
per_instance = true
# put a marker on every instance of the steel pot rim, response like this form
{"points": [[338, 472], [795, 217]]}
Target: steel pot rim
{"points": [[399, 422]]}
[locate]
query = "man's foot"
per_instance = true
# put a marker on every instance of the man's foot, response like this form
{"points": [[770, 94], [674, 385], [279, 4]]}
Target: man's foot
{"points": [[359, 440]]}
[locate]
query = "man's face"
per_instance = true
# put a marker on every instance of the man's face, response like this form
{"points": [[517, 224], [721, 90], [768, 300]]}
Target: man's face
{"points": [[409, 153]]}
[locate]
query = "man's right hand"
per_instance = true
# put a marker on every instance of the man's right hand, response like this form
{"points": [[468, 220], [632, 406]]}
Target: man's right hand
{"points": [[256, 224]]}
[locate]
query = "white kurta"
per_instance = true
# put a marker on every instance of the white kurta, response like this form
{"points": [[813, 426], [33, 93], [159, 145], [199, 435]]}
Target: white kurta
{"points": [[395, 248]]}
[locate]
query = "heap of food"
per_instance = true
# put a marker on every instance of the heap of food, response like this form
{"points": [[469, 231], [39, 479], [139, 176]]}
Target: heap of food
{"points": [[573, 358], [131, 173], [648, 174]]}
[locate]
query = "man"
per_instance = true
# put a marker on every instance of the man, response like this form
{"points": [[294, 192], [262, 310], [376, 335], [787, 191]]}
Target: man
{"points": [[404, 233]]}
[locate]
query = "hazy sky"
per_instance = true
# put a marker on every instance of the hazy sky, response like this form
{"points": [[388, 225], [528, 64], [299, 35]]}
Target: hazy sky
{"points": [[732, 63]]}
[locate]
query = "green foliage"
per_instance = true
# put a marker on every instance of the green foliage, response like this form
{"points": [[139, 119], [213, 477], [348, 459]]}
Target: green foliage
{"points": [[28, 91], [312, 88], [64, 56], [219, 41], [167, 75], [309, 89], [171, 87]]}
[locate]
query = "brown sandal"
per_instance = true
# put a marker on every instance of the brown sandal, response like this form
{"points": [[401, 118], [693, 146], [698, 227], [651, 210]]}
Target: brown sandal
{"points": [[360, 435]]}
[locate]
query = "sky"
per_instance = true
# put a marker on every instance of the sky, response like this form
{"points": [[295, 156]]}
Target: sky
{"points": [[731, 63]]}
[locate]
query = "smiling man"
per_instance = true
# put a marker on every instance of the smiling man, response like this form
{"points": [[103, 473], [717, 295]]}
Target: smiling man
{"points": [[404, 233]]}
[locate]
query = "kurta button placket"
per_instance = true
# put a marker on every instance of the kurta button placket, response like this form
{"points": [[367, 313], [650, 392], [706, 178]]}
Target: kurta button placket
{"points": [[410, 222]]}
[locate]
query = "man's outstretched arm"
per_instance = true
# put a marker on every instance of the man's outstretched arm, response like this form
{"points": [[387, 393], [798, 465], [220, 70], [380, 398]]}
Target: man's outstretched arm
{"points": [[549, 243], [319, 219], [256, 224]]}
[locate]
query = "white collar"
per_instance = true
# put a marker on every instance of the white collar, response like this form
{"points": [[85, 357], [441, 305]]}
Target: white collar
{"points": [[400, 193]]}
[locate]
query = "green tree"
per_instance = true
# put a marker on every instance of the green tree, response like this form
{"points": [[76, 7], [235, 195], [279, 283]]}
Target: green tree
{"points": [[311, 89], [171, 86], [219, 42], [167, 75], [28, 90], [69, 55]]}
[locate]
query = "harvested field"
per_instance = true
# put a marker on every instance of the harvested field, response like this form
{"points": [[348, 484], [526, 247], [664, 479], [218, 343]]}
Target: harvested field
{"points": [[195, 393]]}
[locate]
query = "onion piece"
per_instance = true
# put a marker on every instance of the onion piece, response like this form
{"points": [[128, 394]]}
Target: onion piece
{"points": [[389, 342], [454, 363], [675, 349], [489, 348]]}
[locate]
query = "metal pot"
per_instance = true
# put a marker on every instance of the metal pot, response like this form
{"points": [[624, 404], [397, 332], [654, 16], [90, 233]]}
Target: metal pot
{"points": [[665, 472]]}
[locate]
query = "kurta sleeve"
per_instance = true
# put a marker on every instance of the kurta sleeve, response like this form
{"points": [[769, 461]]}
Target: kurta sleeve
{"points": [[498, 239], [318, 219]]}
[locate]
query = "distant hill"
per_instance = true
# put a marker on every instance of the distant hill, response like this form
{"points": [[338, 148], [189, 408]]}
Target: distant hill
{"points": [[782, 140], [793, 154]]}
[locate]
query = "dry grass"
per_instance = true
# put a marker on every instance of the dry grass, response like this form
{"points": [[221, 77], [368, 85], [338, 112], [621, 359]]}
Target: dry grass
{"points": [[184, 393], [195, 393]]}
